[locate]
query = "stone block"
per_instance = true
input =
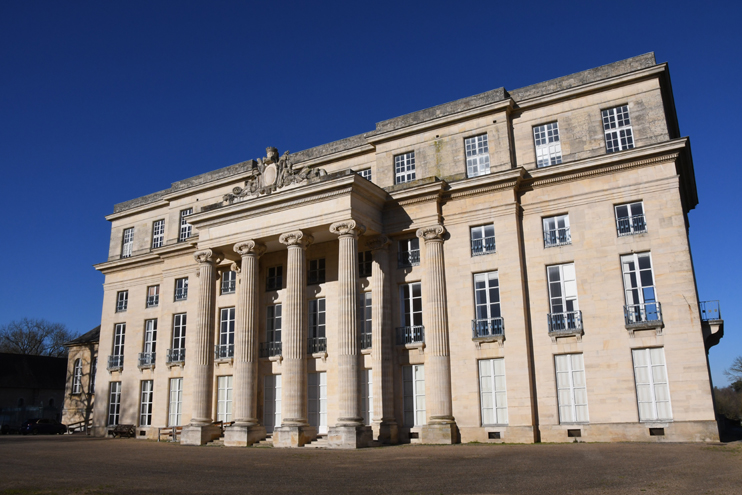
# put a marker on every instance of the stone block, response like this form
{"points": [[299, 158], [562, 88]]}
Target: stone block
{"points": [[350, 437], [445, 434], [199, 435], [243, 436], [293, 436]]}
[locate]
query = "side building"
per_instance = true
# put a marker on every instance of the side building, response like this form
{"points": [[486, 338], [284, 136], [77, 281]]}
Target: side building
{"points": [[79, 395], [510, 267]]}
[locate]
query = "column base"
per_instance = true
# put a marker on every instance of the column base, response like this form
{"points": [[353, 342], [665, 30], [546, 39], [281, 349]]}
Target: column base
{"points": [[350, 437], [243, 436], [293, 436], [199, 435], [386, 433], [442, 434]]}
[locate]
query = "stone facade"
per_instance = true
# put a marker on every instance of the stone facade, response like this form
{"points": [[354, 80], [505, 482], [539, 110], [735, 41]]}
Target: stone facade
{"points": [[424, 308]]}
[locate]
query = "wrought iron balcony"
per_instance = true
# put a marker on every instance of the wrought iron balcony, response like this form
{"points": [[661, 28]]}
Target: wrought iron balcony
{"points": [[569, 323], [270, 349], [710, 311], [480, 247], [115, 362], [712, 325], [176, 356], [181, 294], [365, 340], [229, 286], [146, 360], [631, 225], [223, 352], [557, 237], [316, 344], [491, 327], [643, 315], [153, 301], [410, 335], [408, 258]]}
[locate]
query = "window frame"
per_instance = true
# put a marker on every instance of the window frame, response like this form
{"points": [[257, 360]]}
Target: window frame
{"points": [[77, 377], [571, 388], [565, 300], [273, 322], [562, 235], [158, 233], [183, 289], [186, 229], [122, 301], [365, 173], [127, 243], [175, 402], [114, 403], [119, 338], [226, 328], [229, 279], [488, 304], [407, 254], [652, 383], [150, 336], [316, 272], [365, 263], [549, 151], [224, 398], [367, 395], [405, 168], [317, 318], [486, 247], [180, 323], [479, 158], [365, 315], [497, 388], [624, 134], [407, 301], [419, 408], [630, 226], [153, 300], [146, 401], [274, 282]]}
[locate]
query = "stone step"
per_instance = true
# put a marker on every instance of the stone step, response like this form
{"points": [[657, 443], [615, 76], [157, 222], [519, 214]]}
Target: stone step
{"points": [[266, 442], [320, 442]]}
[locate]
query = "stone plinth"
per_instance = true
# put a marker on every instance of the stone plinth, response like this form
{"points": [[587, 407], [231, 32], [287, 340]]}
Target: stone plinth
{"points": [[350, 437], [199, 435], [386, 433], [243, 436], [446, 434], [293, 436]]}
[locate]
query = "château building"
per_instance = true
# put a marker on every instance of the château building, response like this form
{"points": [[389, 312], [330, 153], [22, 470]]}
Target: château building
{"points": [[509, 267]]}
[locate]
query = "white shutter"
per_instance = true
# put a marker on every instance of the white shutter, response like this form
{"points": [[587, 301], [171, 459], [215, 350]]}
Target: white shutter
{"points": [[652, 389], [571, 388]]}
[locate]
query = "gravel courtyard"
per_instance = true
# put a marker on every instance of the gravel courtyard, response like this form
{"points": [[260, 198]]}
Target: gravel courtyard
{"points": [[80, 465]]}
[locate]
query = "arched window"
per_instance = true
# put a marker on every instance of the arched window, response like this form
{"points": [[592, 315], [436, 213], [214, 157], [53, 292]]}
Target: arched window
{"points": [[77, 377]]}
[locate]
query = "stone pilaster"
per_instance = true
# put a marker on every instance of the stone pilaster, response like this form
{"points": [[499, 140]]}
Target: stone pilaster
{"points": [[349, 432], [294, 430], [200, 430], [246, 429], [441, 427]]}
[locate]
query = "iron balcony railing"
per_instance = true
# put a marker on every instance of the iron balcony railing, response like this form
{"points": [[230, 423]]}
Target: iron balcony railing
{"points": [[710, 310], [146, 359], [482, 246], [316, 344], [175, 356], [115, 362], [569, 322], [365, 340], [223, 351], [153, 301], [557, 237], [410, 335], [490, 327], [631, 225], [641, 314], [270, 349], [181, 294], [408, 258], [228, 286]]}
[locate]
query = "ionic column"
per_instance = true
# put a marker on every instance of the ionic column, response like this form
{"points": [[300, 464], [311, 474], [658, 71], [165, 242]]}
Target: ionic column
{"points": [[437, 354], [348, 355], [201, 357], [381, 341]]}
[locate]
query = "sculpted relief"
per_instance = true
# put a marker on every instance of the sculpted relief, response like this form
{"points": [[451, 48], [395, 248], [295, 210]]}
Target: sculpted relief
{"points": [[272, 173]]}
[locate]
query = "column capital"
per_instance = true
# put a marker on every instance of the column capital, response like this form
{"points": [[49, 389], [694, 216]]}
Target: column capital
{"points": [[434, 233], [297, 238], [347, 227], [204, 256], [378, 242], [247, 248]]}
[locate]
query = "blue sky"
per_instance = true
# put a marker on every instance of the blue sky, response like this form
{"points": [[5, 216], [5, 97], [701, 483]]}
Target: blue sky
{"points": [[101, 102]]}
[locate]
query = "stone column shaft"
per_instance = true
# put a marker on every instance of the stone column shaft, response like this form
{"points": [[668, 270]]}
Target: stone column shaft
{"points": [[381, 332], [201, 358]]}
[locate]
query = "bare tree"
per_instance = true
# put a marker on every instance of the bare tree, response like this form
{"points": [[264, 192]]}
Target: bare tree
{"points": [[735, 370], [35, 336]]}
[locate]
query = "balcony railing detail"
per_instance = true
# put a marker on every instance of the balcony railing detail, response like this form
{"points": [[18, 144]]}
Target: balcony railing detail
{"points": [[480, 247], [710, 310], [223, 351], [408, 258], [631, 225], [146, 359], [181, 294], [228, 287], [316, 344], [642, 314], [490, 327], [557, 237], [270, 349], [566, 323], [115, 362], [175, 356], [410, 335], [365, 340], [153, 301]]}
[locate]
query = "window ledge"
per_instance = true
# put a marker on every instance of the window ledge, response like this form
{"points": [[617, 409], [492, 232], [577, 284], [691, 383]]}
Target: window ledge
{"points": [[414, 345], [367, 350], [320, 355], [577, 333], [478, 341], [656, 325], [172, 364], [278, 358]]}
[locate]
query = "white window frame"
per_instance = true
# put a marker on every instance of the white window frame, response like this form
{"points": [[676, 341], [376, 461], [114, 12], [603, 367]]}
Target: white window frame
{"points": [[274, 278], [179, 331], [181, 285], [409, 252], [557, 231], [226, 327], [119, 335], [571, 388], [185, 227], [413, 379], [153, 296], [633, 222], [127, 243], [229, 282], [272, 402], [365, 314], [487, 295], [640, 291], [317, 318], [404, 167], [367, 395], [77, 377], [150, 336], [365, 173], [224, 398], [122, 301], [482, 238], [652, 385], [175, 407], [273, 320], [114, 403], [477, 155], [411, 298], [493, 392], [158, 233], [317, 400], [145, 403], [548, 145], [565, 298], [619, 135]]}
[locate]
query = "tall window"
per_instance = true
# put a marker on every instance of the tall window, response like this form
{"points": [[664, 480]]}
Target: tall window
{"points": [[224, 399], [404, 167], [114, 403], [477, 156], [150, 343], [571, 388], [492, 391], [118, 339], [181, 289], [176, 402], [548, 147], [77, 377], [652, 390], [145, 405], [185, 227], [153, 296], [482, 240], [412, 307], [229, 282], [365, 263], [364, 313], [316, 271], [225, 348], [630, 219], [414, 395], [122, 300], [617, 127], [317, 318], [638, 283], [409, 252], [317, 400], [127, 243], [556, 231], [273, 323], [158, 233], [179, 331], [487, 304], [365, 173], [93, 371], [562, 288], [367, 395], [272, 402], [274, 280]]}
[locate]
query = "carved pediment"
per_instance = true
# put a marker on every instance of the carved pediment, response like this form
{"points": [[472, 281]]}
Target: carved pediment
{"points": [[271, 174]]}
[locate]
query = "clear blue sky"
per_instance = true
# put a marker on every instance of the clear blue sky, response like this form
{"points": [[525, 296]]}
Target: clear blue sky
{"points": [[101, 102]]}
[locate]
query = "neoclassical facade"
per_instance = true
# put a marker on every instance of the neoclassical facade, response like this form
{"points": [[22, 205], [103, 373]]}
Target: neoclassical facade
{"points": [[509, 267]]}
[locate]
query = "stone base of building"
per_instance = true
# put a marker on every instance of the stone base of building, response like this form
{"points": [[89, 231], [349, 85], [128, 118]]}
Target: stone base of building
{"points": [[497, 434], [441, 434], [350, 437], [199, 435], [293, 436], [386, 433], [671, 431], [243, 436]]}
